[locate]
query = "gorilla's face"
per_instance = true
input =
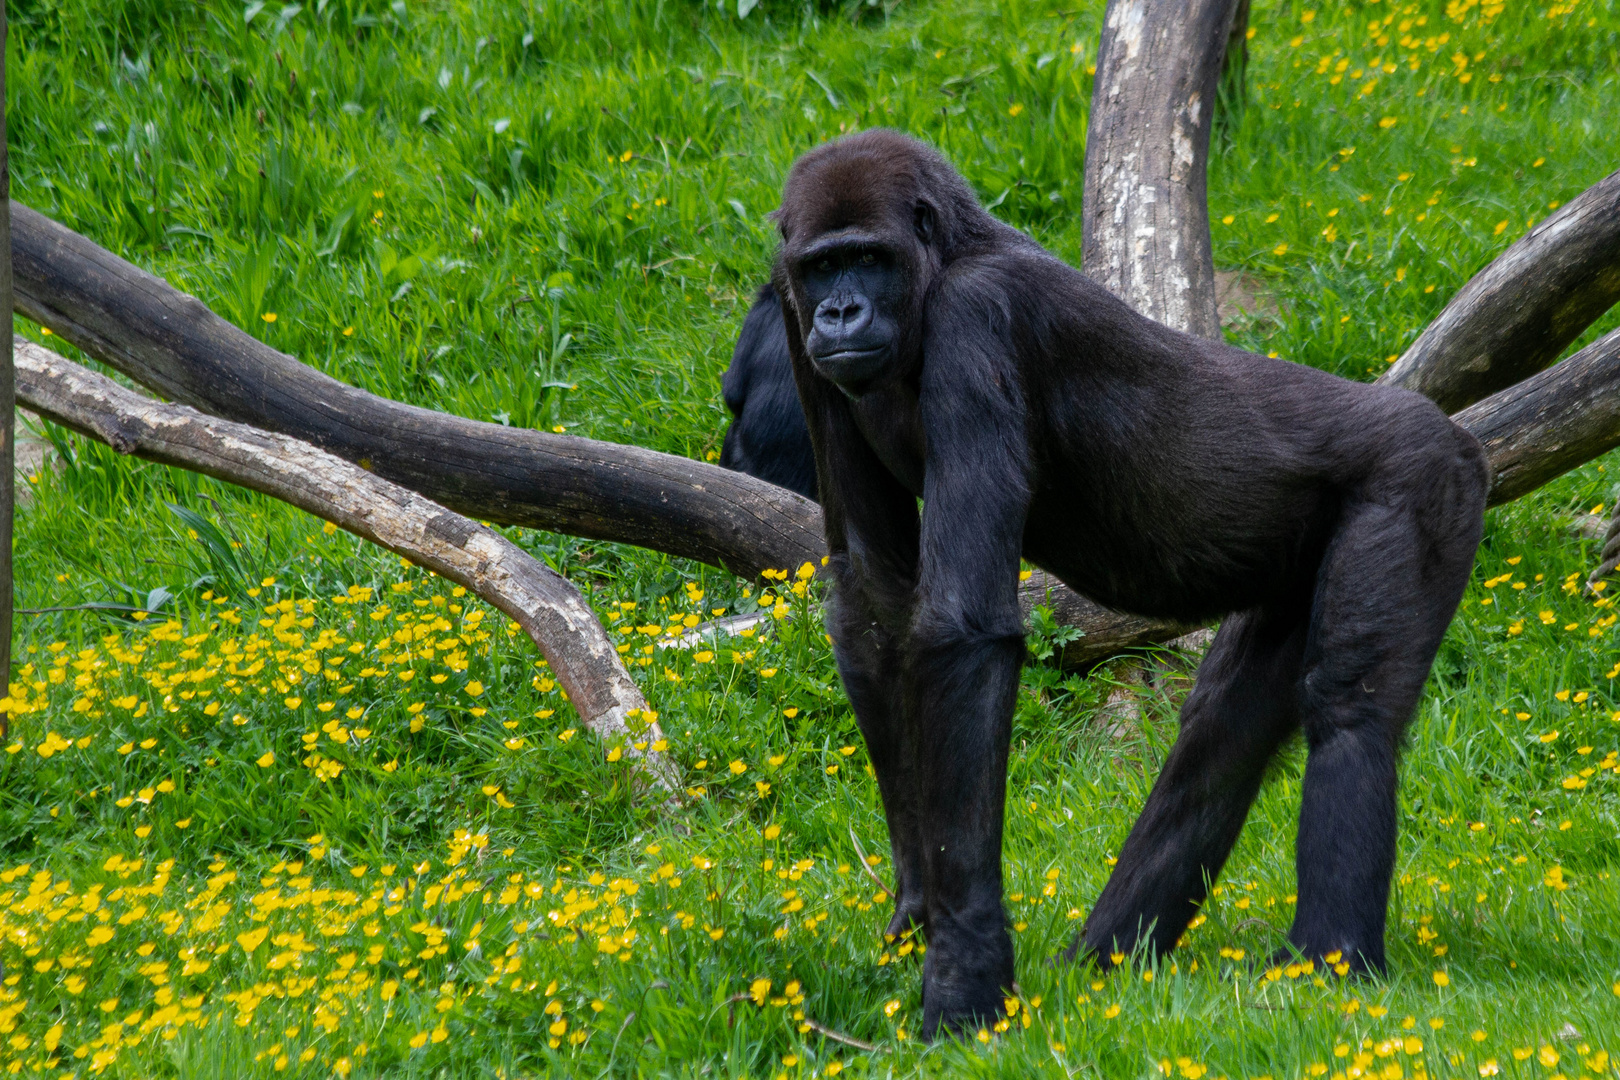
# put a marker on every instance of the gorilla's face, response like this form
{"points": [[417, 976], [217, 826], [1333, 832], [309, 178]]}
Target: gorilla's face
{"points": [[854, 288]]}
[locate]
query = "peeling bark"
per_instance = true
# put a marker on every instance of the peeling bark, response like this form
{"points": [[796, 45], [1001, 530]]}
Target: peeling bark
{"points": [[549, 609], [1514, 317], [1146, 216]]}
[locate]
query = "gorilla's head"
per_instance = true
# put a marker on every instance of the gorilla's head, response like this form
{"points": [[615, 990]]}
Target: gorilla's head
{"points": [[867, 222]]}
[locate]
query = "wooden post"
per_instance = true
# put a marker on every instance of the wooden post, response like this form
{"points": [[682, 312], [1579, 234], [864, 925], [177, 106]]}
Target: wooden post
{"points": [[1145, 214]]}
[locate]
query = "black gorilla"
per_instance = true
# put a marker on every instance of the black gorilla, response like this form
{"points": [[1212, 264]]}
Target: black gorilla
{"points": [[941, 355], [767, 437]]}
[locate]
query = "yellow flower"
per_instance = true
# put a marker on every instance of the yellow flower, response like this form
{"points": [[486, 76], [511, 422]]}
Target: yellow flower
{"points": [[268, 759], [252, 939], [475, 688], [737, 768], [1280, 249], [1014, 110], [268, 316], [1441, 979]]}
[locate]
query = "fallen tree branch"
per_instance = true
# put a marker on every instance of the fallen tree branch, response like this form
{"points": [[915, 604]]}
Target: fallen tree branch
{"points": [[173, 344], [1514, 317], [1145, 211], [546, 605], [1551, 422]]}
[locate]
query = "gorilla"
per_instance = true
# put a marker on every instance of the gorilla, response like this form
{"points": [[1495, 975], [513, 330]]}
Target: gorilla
{"points": [[767, 437], [1331, 525]]}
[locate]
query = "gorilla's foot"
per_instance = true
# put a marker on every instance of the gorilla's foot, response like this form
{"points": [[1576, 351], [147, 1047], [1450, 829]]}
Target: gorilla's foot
{"points": [[1079, 951], [965, 985], [1321, 960]]}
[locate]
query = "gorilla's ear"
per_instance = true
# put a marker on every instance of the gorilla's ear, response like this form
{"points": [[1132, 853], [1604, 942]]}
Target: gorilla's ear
{"points": [[923, 220]]}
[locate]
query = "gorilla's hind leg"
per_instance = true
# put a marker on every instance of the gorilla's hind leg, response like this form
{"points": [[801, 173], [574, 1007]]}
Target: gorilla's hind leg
{"points": [[1242, 707], [1386, 591]]}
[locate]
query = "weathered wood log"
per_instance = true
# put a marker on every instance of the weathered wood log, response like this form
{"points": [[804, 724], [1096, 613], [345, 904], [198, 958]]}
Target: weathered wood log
{"points": [[172, 343], [1145, 212], [1514, 317], [548, 608], [1551, 422]]}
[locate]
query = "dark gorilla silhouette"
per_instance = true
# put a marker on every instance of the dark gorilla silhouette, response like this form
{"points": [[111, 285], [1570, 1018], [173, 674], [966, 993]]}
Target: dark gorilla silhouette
{"points": [[943, 356], [767, 437]]}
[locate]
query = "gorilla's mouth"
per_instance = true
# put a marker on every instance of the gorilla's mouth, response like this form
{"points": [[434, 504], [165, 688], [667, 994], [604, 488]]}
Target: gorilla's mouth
{"points": [[850, 368]]}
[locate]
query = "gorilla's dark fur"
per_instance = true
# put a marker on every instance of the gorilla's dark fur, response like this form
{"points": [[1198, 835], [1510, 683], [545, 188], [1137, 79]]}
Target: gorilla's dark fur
{"points": [[767, 437], [941, 355]]}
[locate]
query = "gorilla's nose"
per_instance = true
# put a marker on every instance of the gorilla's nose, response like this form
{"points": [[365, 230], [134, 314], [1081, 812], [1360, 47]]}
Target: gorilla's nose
{"points": [[840, 317]]}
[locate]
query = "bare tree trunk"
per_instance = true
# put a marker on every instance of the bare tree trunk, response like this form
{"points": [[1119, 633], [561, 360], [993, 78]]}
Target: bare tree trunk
{"points": [[8, 399], [1515, 316], [549, 609], [1146, 214]]}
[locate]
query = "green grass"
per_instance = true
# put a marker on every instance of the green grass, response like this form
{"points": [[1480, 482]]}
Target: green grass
{"points": [[457, 204]]}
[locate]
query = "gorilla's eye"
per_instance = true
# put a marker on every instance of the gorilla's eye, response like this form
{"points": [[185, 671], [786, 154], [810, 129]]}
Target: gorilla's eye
{"points": [[824, 265], [867, 259]]}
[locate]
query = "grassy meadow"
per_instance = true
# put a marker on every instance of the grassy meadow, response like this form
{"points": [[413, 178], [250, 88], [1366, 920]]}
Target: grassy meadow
{"points": [[321, 814]]}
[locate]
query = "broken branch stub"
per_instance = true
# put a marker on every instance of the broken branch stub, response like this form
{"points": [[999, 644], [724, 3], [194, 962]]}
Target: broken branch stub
{"points": [[548, 608], [1145, 211], [1515, 316]]}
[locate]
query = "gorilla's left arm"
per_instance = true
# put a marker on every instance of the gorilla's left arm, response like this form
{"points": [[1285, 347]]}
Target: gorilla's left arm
{"points": [[967, 641]]}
